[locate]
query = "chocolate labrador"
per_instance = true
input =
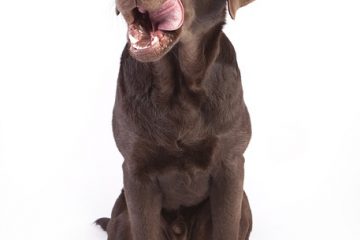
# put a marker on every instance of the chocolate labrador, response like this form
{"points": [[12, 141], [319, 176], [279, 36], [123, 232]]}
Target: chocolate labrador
{"points": [[181, 124]]}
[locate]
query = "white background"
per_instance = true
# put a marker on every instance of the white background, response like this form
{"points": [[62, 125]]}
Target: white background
{"points": [[60, 169]]}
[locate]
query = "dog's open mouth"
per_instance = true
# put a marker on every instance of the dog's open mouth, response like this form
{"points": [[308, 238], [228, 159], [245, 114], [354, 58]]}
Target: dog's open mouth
{"points": [[153, 34]]}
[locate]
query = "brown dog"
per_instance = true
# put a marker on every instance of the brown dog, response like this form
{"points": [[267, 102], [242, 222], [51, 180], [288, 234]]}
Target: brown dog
{"points": [[181, 124]]}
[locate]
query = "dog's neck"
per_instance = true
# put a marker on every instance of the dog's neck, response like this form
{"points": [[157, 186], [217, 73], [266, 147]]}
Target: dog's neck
{"points": [[190, 60]]}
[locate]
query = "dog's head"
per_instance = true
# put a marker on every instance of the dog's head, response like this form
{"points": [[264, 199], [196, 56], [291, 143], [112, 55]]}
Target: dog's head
{"points": [[155, 26]]}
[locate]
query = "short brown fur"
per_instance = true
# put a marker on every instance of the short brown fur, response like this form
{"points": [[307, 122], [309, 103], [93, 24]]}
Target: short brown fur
{"points": [[182, 127]]}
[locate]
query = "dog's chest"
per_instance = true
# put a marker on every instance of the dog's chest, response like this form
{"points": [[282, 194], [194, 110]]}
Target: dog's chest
{"points": [[169, 126], [153, 159], [182, 174], [183, 188]]}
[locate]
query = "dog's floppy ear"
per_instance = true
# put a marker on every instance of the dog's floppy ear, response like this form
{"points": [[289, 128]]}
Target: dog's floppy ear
{"points": [[234, 5]]}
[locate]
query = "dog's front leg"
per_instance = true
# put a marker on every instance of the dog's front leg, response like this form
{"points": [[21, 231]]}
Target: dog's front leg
{"points": [[144, 205], [226, 193]]}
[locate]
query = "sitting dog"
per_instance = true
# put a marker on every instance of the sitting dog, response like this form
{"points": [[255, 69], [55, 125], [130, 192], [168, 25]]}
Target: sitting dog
{"points": [[181, 124]]}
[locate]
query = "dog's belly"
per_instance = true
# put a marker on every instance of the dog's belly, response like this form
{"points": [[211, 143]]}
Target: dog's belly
{"points": [[183, 188]]}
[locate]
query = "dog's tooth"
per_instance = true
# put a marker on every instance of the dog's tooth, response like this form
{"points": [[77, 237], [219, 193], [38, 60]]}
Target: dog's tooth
{"points": [[139, 47], [132, 39], [154, 40], [141, 29]]}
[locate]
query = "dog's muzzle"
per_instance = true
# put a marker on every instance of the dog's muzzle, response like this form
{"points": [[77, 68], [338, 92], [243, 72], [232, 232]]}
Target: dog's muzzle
{"points": [[152, 33]]}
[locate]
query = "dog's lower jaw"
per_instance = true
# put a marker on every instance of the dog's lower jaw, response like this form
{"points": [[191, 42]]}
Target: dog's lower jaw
{"points": [[159, 45]]}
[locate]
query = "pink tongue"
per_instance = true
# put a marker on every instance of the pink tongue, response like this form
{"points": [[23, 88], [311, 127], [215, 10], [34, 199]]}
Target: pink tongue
{"points": [[169, 17]]}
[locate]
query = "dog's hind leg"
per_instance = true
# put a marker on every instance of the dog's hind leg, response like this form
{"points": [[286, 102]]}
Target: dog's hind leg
{"points": [[119, 206], [118, 226], [246, 219]]}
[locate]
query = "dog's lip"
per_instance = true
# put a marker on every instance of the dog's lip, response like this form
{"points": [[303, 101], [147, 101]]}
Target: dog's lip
{"points": [[141, 40], [153, 45], [152, 34]]}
